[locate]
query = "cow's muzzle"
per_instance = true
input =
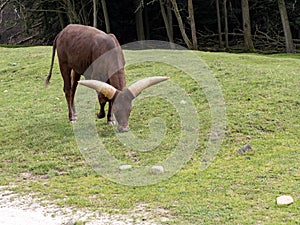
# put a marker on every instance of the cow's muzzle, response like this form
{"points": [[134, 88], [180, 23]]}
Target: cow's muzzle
{"points": [[123, 128]]}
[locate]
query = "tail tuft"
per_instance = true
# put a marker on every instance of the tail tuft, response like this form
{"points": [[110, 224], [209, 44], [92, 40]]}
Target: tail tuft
{"points": [[47, 80]]}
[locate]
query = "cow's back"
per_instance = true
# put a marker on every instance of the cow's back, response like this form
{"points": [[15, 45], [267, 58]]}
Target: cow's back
{"points": [[79, 46]]}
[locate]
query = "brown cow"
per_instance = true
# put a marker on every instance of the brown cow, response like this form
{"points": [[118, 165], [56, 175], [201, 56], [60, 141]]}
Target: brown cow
{"points": [[84, 50]]}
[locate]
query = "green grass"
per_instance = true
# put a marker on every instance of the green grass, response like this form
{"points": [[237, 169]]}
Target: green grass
{"points": [[39, 153]]}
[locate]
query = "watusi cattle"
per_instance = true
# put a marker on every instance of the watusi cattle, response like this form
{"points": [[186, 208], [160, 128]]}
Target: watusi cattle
{"points": [[84, 50]]}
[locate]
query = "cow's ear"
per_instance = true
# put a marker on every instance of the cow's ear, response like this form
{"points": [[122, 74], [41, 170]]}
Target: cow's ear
{"points": [[104, 88], [137, 87]]}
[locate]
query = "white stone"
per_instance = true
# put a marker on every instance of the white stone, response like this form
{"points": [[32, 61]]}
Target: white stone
{"points": [[284, 200], [182, 102], [125, 167], [157, 170]]}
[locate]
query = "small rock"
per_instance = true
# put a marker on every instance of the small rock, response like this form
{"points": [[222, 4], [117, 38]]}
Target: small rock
{"points": [[164, 219], [284, 200], [125, 167], [157, 170], [182, 102]]}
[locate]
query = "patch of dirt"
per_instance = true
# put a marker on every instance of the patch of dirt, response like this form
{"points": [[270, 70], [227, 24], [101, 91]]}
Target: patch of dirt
{"points": [[26, 210]]}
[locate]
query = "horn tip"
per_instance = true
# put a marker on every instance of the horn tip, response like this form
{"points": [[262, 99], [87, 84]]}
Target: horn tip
{"points": [[163, 78], [83, 82]]}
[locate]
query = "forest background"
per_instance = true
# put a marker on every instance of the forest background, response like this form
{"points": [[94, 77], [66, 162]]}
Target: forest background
{"points": [[213, 25]]}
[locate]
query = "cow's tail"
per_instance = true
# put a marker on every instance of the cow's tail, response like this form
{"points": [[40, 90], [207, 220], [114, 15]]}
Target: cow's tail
{"points": [[47, 80]]}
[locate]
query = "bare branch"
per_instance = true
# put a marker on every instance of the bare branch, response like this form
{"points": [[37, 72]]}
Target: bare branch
{"points": [[140, 6], [3, 4], [45, 10]]}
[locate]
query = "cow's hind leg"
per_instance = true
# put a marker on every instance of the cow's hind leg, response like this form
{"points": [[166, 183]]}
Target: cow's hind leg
{"points": [[66, 74], [75, 77]]}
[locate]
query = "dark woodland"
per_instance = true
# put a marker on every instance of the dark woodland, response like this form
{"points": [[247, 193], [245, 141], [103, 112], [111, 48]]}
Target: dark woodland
{"points": [[213, 25]]}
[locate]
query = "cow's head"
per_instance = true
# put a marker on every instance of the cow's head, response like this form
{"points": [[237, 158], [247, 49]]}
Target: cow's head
{"points": [[122, 99]]}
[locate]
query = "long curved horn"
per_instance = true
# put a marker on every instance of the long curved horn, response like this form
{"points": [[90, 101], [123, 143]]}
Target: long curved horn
{"points": [[137, 87], [106, 89]]}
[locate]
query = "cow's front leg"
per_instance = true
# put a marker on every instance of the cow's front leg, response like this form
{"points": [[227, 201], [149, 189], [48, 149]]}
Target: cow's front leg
{"points": [[110, 118], [102, 102]]}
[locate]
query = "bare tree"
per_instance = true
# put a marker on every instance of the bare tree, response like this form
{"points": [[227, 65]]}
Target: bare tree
{"points": [[95, 13], [247, 27], [225, 23], [139, 19], [181, 25], [219, 23], [170, 16], [290, 48], [106, 17], [70, 9], [167, 21], [193, 25]]}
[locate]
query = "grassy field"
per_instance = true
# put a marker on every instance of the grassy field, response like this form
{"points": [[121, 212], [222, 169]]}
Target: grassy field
{"points": [[39, 153]]}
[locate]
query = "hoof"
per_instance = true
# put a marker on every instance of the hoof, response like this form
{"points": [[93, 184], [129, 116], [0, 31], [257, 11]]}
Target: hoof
{"points": [[73, 118], [112, 122], [101, 115]]}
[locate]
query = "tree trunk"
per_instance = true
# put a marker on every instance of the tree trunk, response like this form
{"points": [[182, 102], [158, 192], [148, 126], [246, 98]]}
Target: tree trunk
{"points": [[106, 17], [146, 24], [193, 26], [290, 48], [247, 27], [139, 21], [219, 24], [95, 13], [225, 24], [170, 18], [181, 26], [167, 22]]}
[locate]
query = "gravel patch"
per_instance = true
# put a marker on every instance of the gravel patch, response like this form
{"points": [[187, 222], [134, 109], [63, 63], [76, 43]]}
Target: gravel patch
{"points": [[26, 210]]}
